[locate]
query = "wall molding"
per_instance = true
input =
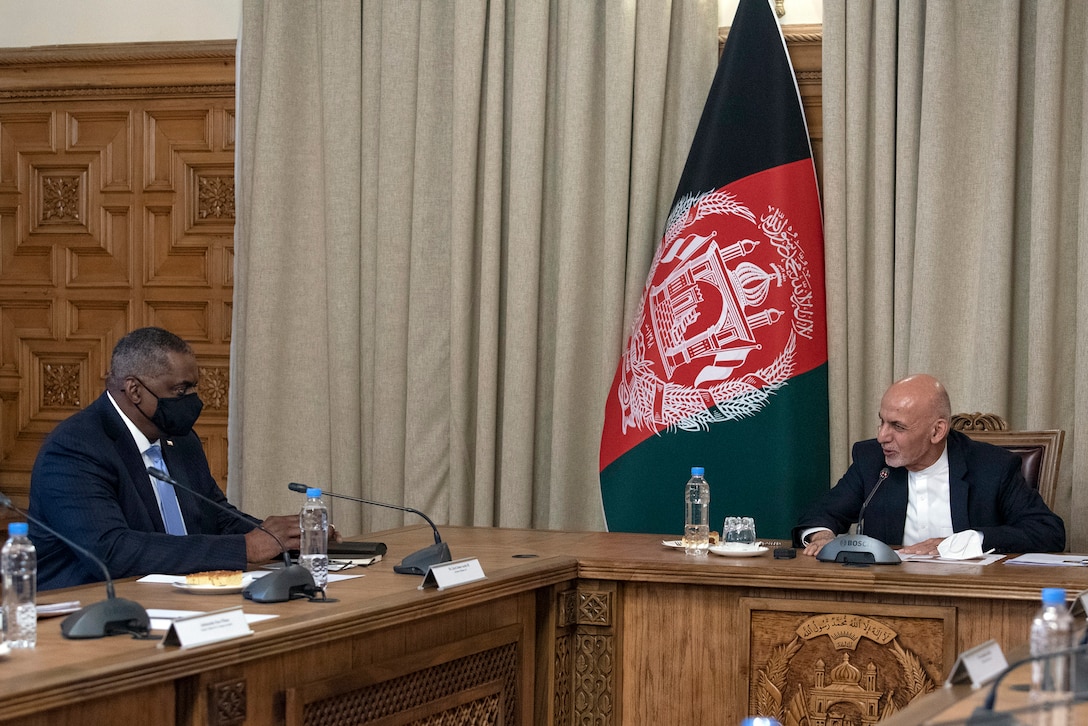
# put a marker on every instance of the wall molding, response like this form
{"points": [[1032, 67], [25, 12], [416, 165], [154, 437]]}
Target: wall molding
{"points": [[118, 70]]}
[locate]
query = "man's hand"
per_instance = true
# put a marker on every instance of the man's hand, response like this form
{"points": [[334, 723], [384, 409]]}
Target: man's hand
{"points": [[262, 548], [817, 540], [925, 547]]}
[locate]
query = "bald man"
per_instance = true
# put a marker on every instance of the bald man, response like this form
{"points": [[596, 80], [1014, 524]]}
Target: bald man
{"points": [[938, 482]]}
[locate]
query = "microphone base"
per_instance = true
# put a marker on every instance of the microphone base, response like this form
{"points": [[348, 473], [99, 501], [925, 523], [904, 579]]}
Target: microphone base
{"points": [[282, 585], [858, 549], [418, 563], [985, 716], [115, 616]]}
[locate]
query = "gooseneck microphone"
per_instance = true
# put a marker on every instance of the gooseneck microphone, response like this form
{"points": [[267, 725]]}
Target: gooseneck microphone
{"points": [[861, 514], [277, 586], [416, 563], [986, 714], [112, 616], [860, 549]]}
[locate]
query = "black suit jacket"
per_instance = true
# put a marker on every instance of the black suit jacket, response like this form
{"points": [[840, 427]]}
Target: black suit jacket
{"points": [[988, 494], [89, 483]]}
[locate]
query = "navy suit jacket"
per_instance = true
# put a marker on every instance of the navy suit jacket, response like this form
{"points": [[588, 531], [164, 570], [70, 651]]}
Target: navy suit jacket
{"points": [[988, 494], [89, 483]]}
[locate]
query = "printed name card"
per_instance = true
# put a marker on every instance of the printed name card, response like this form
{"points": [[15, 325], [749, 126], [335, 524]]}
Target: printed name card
{"points": [[205, 628], [981, 664], [1078, 608], [453, 573]]}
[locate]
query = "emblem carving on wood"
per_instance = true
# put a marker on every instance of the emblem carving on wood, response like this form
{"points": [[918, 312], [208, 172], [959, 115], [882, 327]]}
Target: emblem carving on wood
{"points": [[214, 387], [228, 703], [60, 199], [594, 608], [215, 196], [60, 386], [822, 677]]}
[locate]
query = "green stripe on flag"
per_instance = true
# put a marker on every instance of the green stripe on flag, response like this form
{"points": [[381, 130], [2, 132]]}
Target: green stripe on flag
{"points": [[769, 467]]}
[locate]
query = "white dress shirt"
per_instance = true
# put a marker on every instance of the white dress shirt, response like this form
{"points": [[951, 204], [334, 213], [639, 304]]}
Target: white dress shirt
{"points": [[143, 444]]}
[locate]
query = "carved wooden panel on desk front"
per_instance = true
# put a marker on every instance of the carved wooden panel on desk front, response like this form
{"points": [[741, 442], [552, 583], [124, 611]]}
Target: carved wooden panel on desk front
{"points": [[585, 655], [842, 664]]}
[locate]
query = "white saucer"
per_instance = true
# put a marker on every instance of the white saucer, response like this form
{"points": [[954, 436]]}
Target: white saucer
{"points": [[732, 550], [213, 589]]}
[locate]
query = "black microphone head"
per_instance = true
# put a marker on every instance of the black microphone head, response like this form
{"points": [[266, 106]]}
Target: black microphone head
{"points": [[159, 474], [296, 487], [884, 473], [4, 501]]}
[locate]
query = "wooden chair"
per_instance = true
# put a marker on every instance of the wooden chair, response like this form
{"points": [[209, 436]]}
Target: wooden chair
{"points": [[1040, 451]]}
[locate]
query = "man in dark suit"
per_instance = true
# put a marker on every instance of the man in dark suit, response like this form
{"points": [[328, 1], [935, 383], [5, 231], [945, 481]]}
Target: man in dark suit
{"points": [[90, 479], [937, 482]]}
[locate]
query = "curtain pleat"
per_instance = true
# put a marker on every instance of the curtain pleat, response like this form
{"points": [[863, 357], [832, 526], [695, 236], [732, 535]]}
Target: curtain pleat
{"points": [[955, 218], [448, 214]]}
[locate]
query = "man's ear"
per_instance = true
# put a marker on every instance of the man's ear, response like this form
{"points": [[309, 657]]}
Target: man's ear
{"points": [[940, 430], [131, 388]]}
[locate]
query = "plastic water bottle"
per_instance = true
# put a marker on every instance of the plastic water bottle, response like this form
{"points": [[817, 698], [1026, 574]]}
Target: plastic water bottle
{"points": [[313, 551], [1051, 631], [19, 564], [696, 514]]}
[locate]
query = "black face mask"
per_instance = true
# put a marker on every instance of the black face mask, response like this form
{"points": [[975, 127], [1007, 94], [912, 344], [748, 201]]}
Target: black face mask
{"points": [[174, 416]]}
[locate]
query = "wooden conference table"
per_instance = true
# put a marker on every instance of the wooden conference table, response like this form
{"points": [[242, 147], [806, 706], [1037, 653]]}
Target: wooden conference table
{"points": [[567, 627]]}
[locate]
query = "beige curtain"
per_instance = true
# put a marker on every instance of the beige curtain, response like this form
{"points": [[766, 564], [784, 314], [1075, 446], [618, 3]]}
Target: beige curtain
{"points": [[446, 214], [956, 214]]}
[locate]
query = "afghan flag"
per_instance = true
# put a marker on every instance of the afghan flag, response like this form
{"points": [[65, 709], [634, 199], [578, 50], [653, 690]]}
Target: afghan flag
{"points": [[726, 364]]}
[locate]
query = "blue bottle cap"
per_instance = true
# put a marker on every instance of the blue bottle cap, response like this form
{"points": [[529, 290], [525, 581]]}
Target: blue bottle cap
{"points": [[17, 529], [760, 721], [1053, 596], [696, 471], [313, 492]]}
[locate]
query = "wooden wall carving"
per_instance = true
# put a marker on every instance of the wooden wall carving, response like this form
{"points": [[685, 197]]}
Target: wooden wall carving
{"points": [[116, 211]]}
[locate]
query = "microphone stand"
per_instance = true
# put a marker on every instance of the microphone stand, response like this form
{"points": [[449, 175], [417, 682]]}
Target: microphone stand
{"points": [[859, 549], [112, 616], [985, 714], [416, 563], [278, 585]]}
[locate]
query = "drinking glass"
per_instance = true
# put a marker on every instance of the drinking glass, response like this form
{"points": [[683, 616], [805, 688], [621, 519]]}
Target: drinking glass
{"points": [[731, 529], [746, 530]]}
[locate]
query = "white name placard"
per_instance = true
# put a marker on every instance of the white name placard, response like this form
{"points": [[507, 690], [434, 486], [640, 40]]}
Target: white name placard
{"points": [[981, 664], [448, 574], [205, 628]]}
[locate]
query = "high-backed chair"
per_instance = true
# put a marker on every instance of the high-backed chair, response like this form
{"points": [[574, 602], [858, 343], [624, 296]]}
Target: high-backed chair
{"points": [[1040, 451]]}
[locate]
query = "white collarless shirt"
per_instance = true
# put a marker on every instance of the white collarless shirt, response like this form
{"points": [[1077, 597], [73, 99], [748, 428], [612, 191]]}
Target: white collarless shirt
{"points": [[929, 503]]}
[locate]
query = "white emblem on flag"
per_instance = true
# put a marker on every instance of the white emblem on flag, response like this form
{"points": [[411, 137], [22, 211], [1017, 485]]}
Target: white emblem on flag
{"points": [[706, 311]]}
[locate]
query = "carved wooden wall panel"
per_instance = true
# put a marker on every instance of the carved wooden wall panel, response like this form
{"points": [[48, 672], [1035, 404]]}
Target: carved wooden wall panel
{"points": [[116, 211]]}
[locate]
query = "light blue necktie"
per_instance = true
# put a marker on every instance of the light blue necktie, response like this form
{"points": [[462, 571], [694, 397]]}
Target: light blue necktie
{"points": [[168, 498]]}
